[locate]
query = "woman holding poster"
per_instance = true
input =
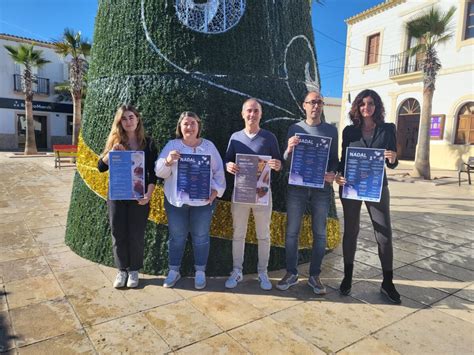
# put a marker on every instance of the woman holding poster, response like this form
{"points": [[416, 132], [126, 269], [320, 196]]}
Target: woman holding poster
{"points": [[128, 218], [368, 130], [194, 176]]}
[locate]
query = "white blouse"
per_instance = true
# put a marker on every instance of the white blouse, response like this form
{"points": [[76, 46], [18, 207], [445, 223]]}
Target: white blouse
{"points": [[170, 173]]}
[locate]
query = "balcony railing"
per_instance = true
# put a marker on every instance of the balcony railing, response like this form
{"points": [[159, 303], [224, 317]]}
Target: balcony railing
{"points": [[403, 63], [40, 85]]}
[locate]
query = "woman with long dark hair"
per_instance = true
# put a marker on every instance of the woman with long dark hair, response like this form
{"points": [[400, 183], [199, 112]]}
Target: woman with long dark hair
{"points": [[369, 130], [128, 217]]}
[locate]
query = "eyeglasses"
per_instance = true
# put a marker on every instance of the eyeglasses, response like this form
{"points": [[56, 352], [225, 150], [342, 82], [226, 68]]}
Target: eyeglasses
{"points": [[315, 102]]}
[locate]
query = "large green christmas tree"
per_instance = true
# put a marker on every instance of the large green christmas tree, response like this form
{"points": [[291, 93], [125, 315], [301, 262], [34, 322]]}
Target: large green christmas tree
{"points": [[168, 56]]}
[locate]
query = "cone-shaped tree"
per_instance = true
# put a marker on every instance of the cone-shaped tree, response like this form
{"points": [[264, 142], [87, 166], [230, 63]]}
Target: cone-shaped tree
{"points": [[28, 58], [431, 29], [168, 56]]}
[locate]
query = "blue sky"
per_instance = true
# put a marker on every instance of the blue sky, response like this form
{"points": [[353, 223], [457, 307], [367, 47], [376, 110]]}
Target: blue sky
{"points": [[46, 20]]}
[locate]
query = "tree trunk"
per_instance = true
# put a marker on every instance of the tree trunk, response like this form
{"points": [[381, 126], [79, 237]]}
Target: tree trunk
{"points": [[76, 123], [422, 160], [30, 144]]}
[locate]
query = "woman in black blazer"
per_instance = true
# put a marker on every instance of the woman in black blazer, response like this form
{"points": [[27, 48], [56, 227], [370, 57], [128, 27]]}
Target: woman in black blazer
{"points": [[369, 130]]}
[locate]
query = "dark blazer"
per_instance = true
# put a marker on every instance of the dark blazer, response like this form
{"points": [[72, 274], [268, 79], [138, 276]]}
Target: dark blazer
{"points": [[385, 137], [150, 158]]}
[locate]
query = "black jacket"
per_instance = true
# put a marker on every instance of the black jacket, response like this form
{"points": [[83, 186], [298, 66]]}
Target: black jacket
{"points": [[150, 158], [385, 137]]}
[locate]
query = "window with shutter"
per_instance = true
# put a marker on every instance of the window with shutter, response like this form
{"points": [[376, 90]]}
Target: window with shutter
{"points": [[373, 44]]}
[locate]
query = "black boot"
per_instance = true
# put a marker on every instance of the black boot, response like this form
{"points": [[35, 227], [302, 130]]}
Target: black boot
{"points": [[388, 288], [346, 284]]}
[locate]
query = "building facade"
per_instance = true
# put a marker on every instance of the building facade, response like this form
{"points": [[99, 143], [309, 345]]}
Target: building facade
{"points": [[52, 119], [376, 58]]}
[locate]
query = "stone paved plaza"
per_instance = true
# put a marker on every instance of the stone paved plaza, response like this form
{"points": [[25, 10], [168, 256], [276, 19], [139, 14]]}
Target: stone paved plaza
{"points": [[55, 302]]}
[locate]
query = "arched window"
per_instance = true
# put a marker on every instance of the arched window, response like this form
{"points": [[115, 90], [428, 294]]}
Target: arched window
{"points": [[465, 124]]}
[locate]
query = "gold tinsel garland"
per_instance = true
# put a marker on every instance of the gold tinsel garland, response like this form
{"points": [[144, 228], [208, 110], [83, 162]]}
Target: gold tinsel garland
{"points": [[221, 226]]}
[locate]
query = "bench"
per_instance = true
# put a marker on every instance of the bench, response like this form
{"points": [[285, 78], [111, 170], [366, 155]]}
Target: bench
{"points": [[466, 168], [63, 151]]}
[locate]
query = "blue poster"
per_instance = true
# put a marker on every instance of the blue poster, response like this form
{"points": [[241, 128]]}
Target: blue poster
{"points": [[252, 182], [309, 161], [126, 175], [194, 177], [364, 173]]}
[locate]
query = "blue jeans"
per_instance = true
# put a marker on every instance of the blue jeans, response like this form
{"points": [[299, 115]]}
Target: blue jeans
{"points": [[188, 219], [298, 198]]}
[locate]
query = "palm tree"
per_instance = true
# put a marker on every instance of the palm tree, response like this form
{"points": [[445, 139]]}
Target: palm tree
{"points": [[27, 56], [79, 49], [431, 29]]}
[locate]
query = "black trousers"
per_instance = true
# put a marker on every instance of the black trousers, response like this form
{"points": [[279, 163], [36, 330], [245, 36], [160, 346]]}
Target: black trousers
{"points": [[127, 222], [380, 216]]}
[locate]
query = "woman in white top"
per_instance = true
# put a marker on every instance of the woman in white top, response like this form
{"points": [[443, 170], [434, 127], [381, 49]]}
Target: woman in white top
{"points": [[188, 215]]}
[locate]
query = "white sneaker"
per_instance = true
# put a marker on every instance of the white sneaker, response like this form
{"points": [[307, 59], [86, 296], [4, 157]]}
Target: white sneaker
{"points": [[199, 280], [132, 281], [120, 279], [172, 278], [234, 278], [265, 283]]}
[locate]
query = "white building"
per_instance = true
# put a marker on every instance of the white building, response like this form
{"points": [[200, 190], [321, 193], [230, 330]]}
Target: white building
{"points": [[53, 120], [376, 58]]}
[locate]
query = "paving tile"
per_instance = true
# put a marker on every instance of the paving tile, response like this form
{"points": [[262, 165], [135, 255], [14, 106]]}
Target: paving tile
{"points": [[54, 248], [131, 334], [361, 270], [10, 240], [429, 279], [411, 227], [368, 345], [369, 292], [75, 342], [32, 290], [452, 271], [39, 222], [320, 321], [269, 302], [407, 245], [373, 260], [47, 237], [463, 251], [23, 252], [405, 256], [447, 235], [456, 307], [454, 233], [466, 293], [219, 344], [260, 336], [465, 262], [10, 218], [428, 332], [430, 243], [24, 268], [7, 337], [227, 310], [150, 294], [88, 278], [180, 324], [14, 228], [43, 320], [67, 261], [185, 286], [100, 305]]}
